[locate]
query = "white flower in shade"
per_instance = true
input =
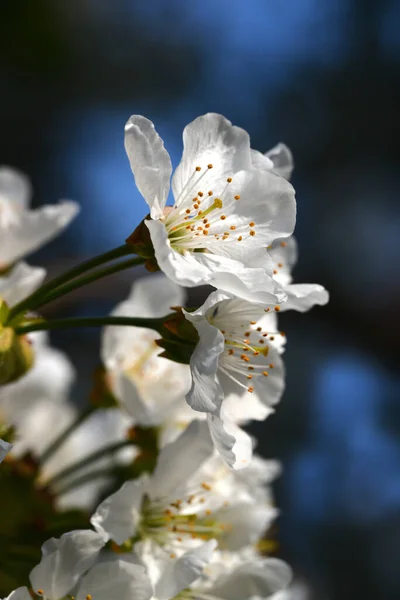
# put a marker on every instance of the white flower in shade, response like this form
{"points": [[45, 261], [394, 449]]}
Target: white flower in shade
{"points": [[19, 594], [26, 404], [150, 388], [300, 296], [297, 591], [241, 576], [24, 230], [21, 281], [184, 502], [226, 210], [64, 561], [5, 448], [238, 355], [169, 574], [72, 564], [204, 574]]}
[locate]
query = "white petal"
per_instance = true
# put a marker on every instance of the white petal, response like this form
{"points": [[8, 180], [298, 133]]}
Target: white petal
{"points": [[260, 578], [150, 297], [179, 573], [211, 139], [118, 516], [20, 593], [205, 394], [250, 522], [303, 296], [15, 188], [234, 445], [199, 268], [180, 459], [64, 561], [33, 229], [283, 254], [282, 160], [114, 580], [150, 162], [20, 282], [261, 161], [5, 447]]}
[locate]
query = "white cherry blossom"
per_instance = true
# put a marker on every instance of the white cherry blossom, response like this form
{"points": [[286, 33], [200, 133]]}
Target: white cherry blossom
{"points": [[226, 210], [236, 355], [22, 280], [151, 389], [64, 561], [186, 501], [24, 230], [72, 564]]}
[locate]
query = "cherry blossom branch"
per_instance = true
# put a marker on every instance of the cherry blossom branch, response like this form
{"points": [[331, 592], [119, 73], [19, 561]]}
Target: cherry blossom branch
{"points": [[34, 299], [99, 274], [41, 325]]}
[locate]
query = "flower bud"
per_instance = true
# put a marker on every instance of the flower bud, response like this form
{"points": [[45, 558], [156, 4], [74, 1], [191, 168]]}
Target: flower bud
{"points": [[16, 355]]}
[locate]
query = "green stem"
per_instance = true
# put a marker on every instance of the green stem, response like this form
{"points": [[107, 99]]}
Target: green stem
{"points": [[91, 458], [86, 279], [155, 324], [34, 299], [81, 418]]}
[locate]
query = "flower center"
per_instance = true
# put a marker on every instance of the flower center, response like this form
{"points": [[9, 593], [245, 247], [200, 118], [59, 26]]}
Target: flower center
{"points": [[183, 519], [200, 219], [244, 359]]}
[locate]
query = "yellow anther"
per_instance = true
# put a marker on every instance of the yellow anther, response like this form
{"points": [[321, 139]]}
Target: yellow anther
{"points": [[210, 166], [205, 232], [200, 194], [206, 486], [283, 244], [252, 233], [210, 193], [275, 272], [172, 555], [249, 376], [232, 227], [89, 597], [198, 168], [229, 180], [237, 197], [253, 322], [240, 238], [251, 224], [280, 265], [277, 308], [223, 217], [231, 351], [266, 309], [259, 328], [271, 365], [250, 389], [187, 211], [265, 373], [40, 592], [195, 205]]}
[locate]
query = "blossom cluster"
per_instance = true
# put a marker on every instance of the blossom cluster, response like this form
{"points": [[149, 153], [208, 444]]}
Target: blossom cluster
{"points": [[177, 505]]}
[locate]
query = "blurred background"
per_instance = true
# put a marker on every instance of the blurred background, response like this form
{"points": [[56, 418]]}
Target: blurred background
{"points": [[320, 75]]}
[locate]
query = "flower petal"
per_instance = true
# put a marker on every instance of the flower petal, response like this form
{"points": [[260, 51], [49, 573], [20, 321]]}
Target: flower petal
{"points": [[150, 162], [234, 445], [282, 159], [64, 561], [178, 574], [251, 521], [116, 579], [303, 296], [118, 516], [180, 459], [15, 187], [211, 140], [258, 578], [33, 229], [20, 282], [205, 394], [20, 593]]}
